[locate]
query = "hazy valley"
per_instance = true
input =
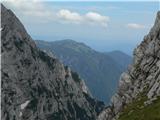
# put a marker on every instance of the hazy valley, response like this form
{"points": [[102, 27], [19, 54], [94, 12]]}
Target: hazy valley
{"points": [[100, 71], [68, 80]]}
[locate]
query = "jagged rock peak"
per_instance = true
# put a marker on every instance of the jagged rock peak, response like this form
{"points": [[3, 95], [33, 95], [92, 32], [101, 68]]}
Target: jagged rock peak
{"points": [[142, 77], [36, 86]]}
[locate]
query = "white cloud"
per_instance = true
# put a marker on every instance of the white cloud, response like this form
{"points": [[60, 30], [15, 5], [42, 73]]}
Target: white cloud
{"points": [[34, 9], [97, 18], [91, 18], [69, 16], [41, 12], [24, 5], [135, 26]]}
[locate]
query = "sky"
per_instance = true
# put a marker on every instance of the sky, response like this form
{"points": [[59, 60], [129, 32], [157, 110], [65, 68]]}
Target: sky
{"points": [[103, 25]]}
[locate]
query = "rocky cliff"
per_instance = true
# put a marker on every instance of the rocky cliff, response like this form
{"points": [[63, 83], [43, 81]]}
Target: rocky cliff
{"points": [[36, 86], [139, 87]]}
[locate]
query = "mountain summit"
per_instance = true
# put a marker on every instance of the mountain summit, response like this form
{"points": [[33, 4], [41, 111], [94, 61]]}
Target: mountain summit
{"points": [[36, 86]]}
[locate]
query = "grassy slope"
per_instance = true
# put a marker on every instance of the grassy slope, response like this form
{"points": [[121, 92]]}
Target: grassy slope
{"points": [[137, 111]]}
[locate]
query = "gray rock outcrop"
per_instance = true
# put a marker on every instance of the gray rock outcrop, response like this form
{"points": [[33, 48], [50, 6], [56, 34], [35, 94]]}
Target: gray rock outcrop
{"points": [[142, 77], [36, 86]]}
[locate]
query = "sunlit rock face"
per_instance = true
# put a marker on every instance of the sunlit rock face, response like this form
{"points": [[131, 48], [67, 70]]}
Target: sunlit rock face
{"points": [[142, 77], [36, 86]]}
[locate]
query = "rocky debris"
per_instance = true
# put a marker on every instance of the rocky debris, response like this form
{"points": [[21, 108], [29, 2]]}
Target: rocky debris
{"points": [[36, 86], [104, 116], [150, 101], [142, 77]]}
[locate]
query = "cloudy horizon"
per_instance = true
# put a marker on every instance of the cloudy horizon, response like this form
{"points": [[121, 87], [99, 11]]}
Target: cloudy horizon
{"points": [[104, 26]]}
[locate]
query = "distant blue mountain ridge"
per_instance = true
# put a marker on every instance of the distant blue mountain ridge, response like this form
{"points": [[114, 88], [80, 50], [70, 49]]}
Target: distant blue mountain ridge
{"points": [[101, 71]]}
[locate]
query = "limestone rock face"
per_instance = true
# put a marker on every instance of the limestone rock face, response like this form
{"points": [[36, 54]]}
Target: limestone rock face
{"points": [[36, 86], [143, 76]]}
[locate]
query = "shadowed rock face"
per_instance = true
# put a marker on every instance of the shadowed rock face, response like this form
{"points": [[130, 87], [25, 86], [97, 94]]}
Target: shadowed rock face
{"points": [[143, 76], [36, 86]]}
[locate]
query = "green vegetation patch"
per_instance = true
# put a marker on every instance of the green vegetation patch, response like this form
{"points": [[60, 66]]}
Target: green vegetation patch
{"points": [[137, 111]]}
